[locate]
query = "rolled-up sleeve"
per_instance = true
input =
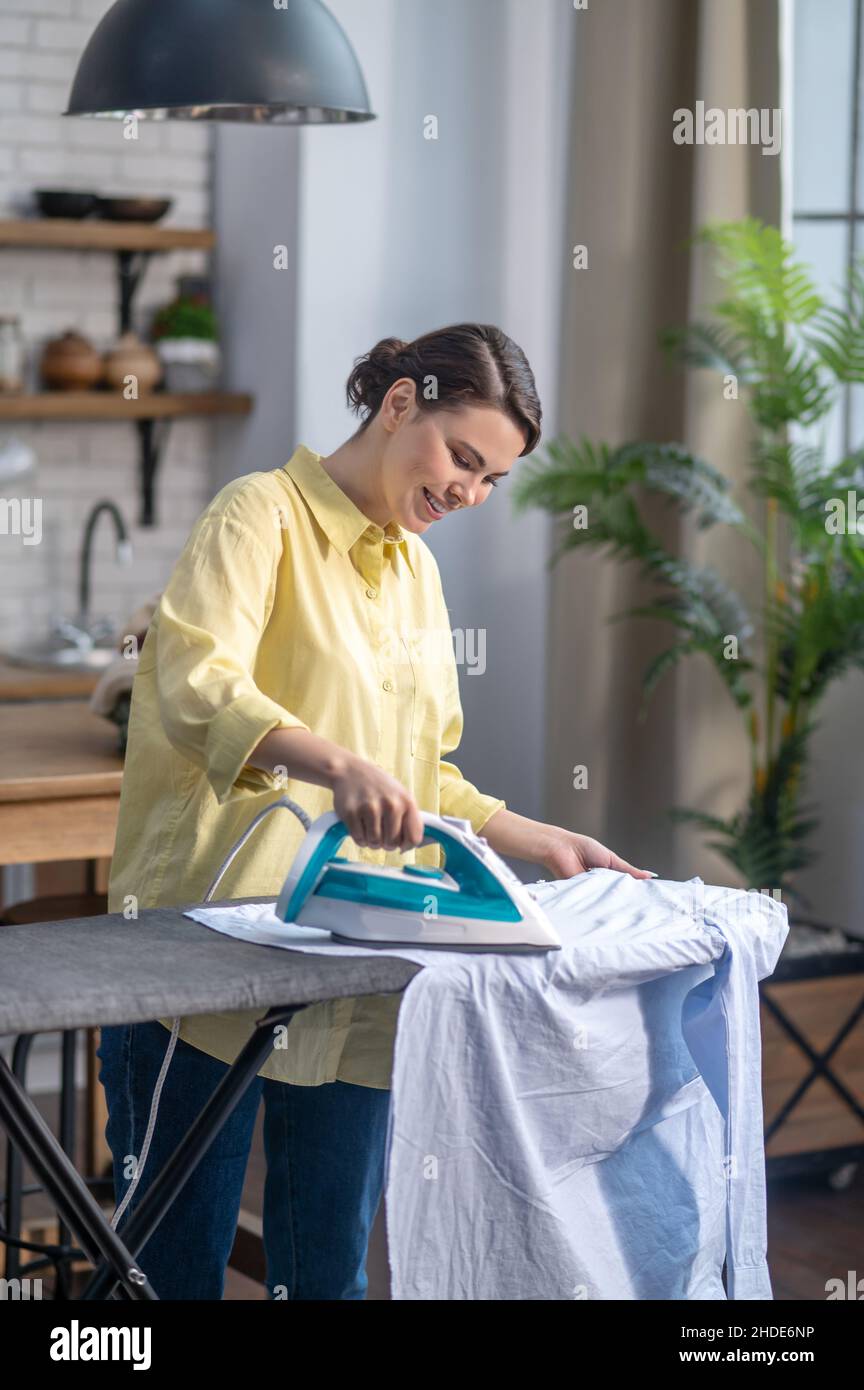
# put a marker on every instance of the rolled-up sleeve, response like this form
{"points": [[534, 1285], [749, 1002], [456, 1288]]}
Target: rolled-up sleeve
{"points": [[209, 624], [458, 796]]}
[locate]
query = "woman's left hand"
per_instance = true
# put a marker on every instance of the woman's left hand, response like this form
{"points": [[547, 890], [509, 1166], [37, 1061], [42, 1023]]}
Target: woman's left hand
{"points": [[564, 853]]}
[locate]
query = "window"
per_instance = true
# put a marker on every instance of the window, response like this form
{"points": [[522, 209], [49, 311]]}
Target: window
{"points": [[828, 167]]}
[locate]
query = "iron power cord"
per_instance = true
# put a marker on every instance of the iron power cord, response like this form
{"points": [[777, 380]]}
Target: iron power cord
{"points": [[289, 805]]}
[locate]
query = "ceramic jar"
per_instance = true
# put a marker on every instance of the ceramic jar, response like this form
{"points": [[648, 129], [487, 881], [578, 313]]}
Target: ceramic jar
{"points": [[11, 354], [130, 357], [70, 363]]}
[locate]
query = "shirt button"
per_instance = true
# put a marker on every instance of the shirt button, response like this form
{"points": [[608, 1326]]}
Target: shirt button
{"points": [[371, 593], [388, 685]]}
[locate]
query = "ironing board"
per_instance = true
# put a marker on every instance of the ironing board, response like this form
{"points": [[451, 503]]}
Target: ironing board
{"points": [[95, 971]]}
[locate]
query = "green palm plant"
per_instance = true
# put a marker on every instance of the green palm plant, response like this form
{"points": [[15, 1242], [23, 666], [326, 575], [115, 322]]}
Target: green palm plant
{"points": [[791, 354]]}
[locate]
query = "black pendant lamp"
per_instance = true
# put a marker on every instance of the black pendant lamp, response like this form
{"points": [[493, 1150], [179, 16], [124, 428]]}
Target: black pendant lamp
{"points": [[269, 62]]}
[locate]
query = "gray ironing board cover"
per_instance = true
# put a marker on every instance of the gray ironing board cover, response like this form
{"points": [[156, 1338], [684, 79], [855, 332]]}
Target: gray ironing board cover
{"points": [[88, 971]]}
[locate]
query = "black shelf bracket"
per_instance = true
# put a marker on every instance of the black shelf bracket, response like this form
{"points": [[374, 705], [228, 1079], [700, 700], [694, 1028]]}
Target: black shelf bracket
{"points": [[130, 268], [153, 436]]}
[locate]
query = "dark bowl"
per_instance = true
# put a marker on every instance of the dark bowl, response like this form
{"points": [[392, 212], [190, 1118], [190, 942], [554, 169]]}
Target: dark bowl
{"points": [[134, 209], [55, 202]]}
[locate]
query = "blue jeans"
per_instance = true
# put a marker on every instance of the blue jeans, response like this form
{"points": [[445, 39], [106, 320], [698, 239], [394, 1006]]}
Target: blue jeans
{"points": [[325, 1151]]}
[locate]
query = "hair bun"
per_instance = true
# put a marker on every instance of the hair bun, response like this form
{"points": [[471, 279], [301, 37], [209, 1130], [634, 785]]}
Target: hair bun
{"points": [[372, 374], [387, 350], [468, 363]]}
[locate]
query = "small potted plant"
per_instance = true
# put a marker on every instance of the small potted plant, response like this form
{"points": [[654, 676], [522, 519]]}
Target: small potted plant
{"points": [[186, 338]]}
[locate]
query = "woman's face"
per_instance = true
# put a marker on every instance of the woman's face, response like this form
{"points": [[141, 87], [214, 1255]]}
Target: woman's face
{"points": [[440, 461]]}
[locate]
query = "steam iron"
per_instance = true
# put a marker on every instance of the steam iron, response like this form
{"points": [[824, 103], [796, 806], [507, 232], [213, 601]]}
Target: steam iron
{"points": [[475, 903]]}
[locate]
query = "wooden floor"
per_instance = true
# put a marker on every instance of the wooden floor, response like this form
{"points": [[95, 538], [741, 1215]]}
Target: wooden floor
{"points": [[814, 1232]]}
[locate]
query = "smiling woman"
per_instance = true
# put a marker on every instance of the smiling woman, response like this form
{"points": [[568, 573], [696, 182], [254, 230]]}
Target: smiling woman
{"points": [[457, 405], [290, 654]]}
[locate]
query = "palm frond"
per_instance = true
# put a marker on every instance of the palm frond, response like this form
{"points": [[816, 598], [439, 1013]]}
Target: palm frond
{"points": [[567, 474], [657, 669], [837, 334], [817, 640], [673, 471], [707, 345], [760, 267], [789, 387], [760, 334], [732, 672], [564, 475], [797, 477]]}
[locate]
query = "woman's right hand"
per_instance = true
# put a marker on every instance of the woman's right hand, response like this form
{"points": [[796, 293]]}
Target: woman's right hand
{"points": [[376, 808]]}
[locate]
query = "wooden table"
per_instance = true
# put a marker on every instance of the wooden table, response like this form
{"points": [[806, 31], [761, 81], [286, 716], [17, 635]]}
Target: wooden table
{"points": [[32, 683], [60, 774]]}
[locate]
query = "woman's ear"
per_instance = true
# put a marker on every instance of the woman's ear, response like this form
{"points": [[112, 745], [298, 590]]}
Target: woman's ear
{"points": [[398, 405]]}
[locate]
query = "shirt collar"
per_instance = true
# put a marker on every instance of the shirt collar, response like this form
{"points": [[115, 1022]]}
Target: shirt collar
{"points": [[339, 518]]}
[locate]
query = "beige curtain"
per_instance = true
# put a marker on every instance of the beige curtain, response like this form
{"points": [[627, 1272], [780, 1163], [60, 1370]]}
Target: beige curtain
{"points": [[635, 197]]}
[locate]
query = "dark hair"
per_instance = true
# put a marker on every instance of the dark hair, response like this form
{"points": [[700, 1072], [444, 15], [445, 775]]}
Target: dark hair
{"points": [[472, 364]]}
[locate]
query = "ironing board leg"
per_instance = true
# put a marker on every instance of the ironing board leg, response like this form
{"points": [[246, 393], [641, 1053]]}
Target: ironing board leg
{"points": [[157, 1199], [60, 1178], [15, 1165]]}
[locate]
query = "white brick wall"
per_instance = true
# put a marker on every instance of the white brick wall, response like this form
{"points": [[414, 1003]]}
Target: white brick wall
{"points": [[80, 463]]}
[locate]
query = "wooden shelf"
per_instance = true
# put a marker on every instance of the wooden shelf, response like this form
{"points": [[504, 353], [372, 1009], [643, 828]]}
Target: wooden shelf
{"points": [[132, 244], [95, 234], [111, 405]]}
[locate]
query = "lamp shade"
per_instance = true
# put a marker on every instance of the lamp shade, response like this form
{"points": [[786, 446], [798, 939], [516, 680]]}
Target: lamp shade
{"points": [[263, 61]]}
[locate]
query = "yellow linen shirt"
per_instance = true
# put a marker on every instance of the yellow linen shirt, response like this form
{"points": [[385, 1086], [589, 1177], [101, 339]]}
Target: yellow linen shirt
{"points": [[288, 608]]}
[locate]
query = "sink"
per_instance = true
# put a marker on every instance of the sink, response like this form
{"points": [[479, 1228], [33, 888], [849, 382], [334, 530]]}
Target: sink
{"points": [[48, 656], [82, 641]]}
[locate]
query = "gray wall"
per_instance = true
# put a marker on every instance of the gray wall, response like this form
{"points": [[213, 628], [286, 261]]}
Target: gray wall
{"points": [[395, 234], [255, 207]]}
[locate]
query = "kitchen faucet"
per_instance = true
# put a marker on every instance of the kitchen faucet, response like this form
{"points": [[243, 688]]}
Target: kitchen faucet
{"points": [[84, 631]]}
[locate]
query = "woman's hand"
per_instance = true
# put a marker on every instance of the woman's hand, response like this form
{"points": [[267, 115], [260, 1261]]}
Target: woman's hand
{"points": [[564, 853], [376, 808]]}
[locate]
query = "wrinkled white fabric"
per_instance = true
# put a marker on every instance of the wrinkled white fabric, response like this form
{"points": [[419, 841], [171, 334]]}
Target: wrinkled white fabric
{"points": [[583, 1123]]}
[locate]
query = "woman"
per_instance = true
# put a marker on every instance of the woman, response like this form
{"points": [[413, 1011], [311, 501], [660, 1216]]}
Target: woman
{"points": [[292, 651]]}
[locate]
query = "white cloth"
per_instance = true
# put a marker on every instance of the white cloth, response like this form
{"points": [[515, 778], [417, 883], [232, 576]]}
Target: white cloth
{"points": [[583, 1123]]}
